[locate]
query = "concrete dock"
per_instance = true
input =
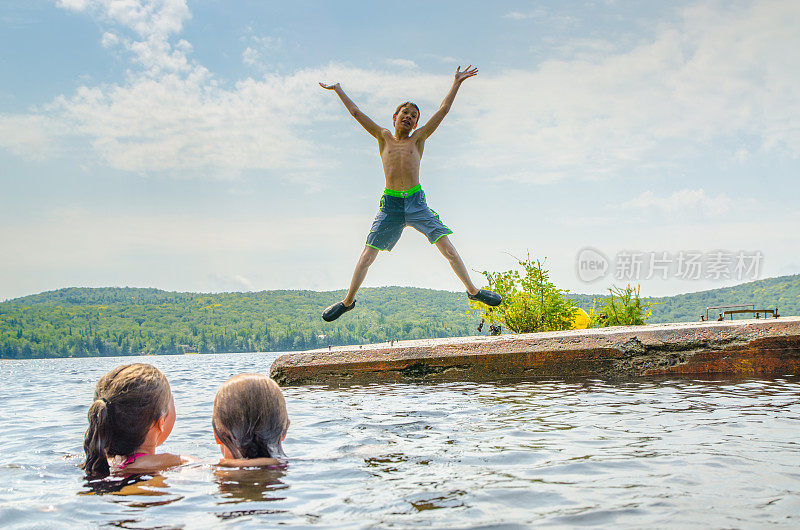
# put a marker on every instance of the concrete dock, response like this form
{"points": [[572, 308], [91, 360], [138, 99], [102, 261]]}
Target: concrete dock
{"points": [[749, 348]]}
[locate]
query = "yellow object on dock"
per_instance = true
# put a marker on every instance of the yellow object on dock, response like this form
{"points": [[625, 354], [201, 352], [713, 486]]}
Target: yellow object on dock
{"points": [[581, 319]]}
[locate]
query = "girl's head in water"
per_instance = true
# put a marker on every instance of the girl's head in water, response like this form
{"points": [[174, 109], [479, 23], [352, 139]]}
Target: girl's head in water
{"points": [[132, 408], [250, 418]]}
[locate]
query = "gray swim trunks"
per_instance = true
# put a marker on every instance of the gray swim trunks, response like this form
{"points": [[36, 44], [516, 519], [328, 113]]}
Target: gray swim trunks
{"points": [[399, 209]]}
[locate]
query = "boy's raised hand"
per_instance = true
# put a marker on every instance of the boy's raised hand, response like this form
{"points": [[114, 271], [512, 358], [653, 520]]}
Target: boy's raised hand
{"points": [[371, 127], [467, 73]]}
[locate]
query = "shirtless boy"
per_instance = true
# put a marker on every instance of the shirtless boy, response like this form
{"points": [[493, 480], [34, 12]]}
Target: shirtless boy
{"points": [[403, 202]]}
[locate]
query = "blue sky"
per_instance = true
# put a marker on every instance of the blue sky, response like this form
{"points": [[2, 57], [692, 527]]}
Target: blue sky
{"points": [[187, 146]]}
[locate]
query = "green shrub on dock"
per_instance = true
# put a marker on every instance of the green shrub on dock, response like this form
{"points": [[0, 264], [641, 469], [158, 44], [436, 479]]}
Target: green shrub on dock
{"points": [[623, 307], [531, 302]]}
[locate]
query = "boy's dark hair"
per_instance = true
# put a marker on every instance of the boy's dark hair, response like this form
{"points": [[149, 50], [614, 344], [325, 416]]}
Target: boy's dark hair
{"points": [[404, 104], [250, 417], [128, 400]]}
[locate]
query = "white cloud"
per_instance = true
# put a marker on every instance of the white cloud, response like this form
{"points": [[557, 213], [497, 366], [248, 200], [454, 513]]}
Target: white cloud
{"points": [[75, 5], [520, 15], [152, 23], [441, 58], [173, 117], [146, 17], [720, 73], [250, 56], [186, 125], [686, 200], [109, 40], [541, 14], [258, 47], [402, 63], [29, 136], [267, 42]]}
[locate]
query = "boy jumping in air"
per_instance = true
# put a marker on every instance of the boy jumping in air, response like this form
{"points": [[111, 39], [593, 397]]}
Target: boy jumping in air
{"points": [[403, 202]]}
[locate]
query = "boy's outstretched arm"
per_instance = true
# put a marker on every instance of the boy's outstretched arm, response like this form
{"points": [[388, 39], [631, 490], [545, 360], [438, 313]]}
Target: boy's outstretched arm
{"points": [[373, 128], [426, 130]]}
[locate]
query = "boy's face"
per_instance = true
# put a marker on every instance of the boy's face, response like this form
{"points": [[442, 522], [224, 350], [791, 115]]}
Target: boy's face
{"points": [[406, 118]]}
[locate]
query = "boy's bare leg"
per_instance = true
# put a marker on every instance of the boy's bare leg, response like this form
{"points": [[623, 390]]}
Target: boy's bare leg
{"points": [[364, 261], [449, 251]]}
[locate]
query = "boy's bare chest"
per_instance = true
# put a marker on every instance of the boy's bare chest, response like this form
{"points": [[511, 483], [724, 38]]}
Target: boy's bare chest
{"points": [[400, 152]]}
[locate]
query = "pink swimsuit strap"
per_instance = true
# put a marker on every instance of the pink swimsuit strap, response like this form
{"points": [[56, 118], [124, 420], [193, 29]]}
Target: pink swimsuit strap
{"points": [[131, 459]]}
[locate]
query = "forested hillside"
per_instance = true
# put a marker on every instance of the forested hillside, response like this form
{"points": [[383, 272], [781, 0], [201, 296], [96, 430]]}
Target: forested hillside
{"points": [[783, 292], [131, 321]]}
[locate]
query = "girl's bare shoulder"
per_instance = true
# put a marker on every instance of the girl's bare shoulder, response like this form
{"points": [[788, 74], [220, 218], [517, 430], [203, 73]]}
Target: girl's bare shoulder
{"points": [[147, 463], [248, 462]]}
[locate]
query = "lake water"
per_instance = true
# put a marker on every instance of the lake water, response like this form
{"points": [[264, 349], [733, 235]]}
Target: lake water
{"points": [[664, 453]]}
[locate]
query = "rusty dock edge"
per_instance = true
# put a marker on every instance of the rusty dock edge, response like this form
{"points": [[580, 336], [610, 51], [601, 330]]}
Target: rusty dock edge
{"points": [[756, 347]]}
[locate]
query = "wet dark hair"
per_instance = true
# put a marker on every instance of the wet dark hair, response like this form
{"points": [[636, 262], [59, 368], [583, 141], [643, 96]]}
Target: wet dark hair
{"points": [[250, 417], [409, 103], [128, 400]]}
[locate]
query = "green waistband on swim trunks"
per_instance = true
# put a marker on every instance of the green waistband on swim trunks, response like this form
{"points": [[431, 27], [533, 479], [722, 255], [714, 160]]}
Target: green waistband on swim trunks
{"points": [[406, 193]]}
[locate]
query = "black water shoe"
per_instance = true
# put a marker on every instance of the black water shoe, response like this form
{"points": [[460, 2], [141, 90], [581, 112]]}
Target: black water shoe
{"points": [[336, 310], [487, 297]]}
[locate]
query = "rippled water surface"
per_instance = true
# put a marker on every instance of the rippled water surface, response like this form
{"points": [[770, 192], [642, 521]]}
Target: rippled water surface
{"points": [[564, 453]]}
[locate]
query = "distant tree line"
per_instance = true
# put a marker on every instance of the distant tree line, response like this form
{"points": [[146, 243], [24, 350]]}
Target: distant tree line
{"points": [[782, 292], [79, 322]]}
